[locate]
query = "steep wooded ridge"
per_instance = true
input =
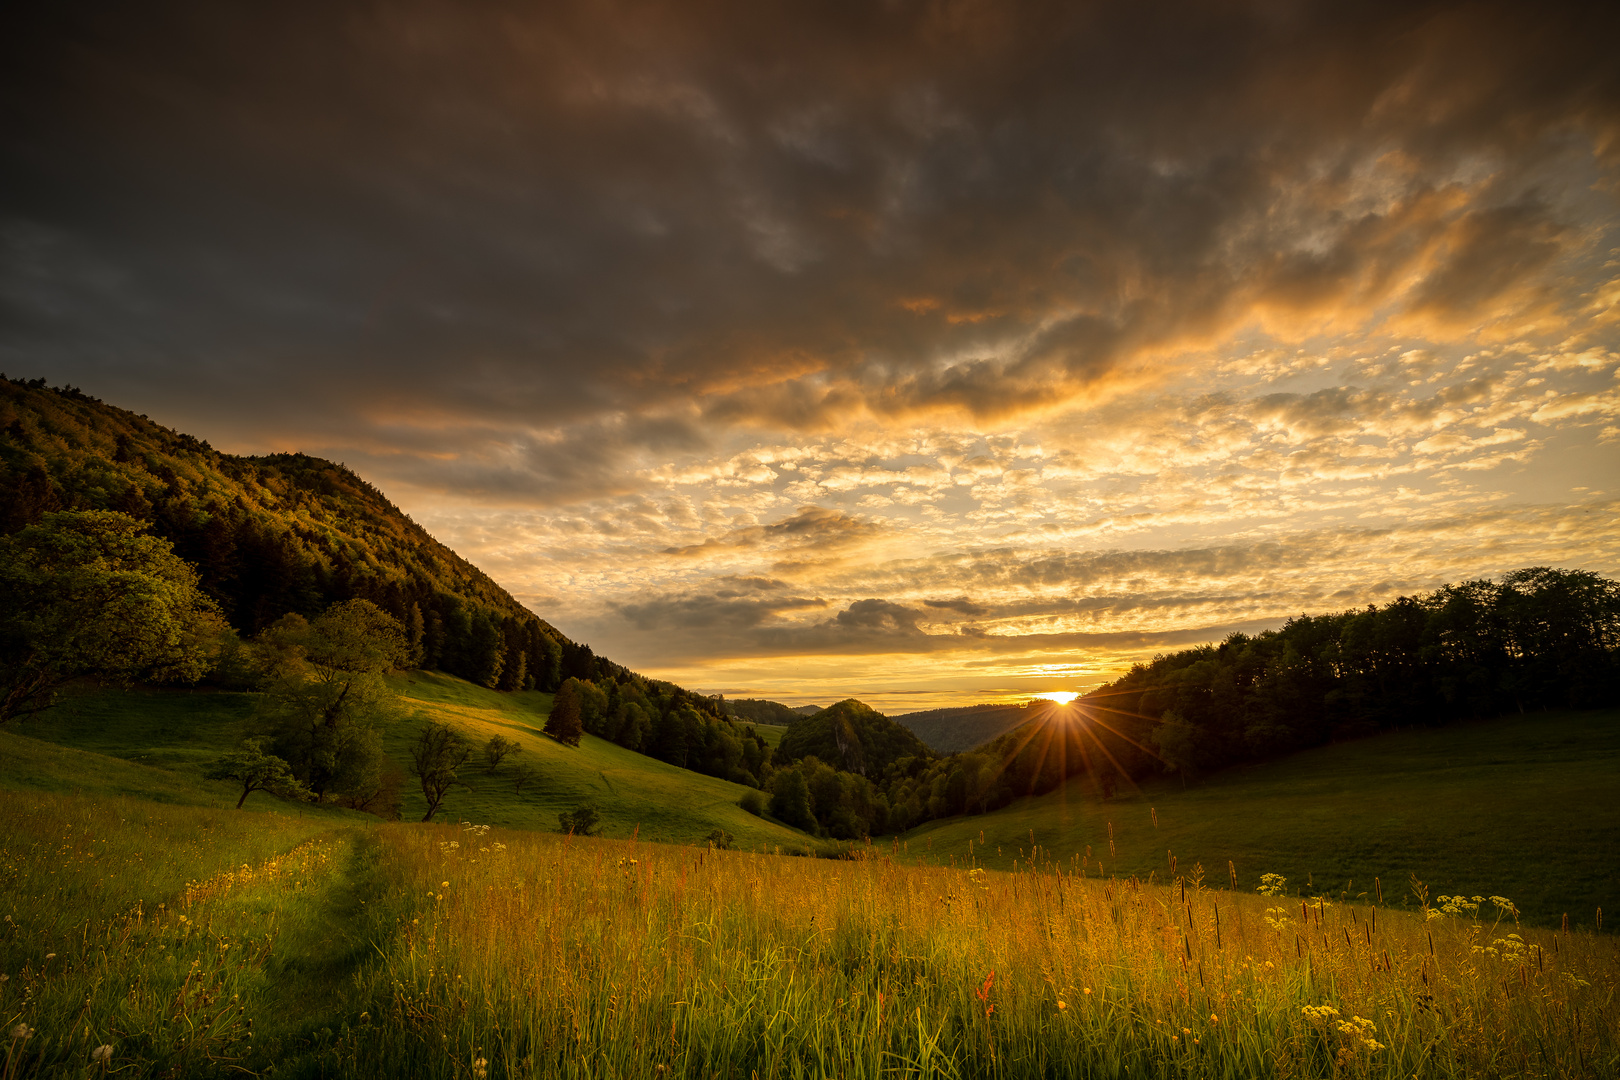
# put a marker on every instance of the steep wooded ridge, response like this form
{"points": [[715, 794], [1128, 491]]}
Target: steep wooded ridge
{"points": [[851, 736], [274, 534]]}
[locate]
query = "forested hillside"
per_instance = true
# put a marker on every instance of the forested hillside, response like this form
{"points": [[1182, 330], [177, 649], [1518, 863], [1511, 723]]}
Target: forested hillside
{"points": [[1538, 639], [271, 535]]}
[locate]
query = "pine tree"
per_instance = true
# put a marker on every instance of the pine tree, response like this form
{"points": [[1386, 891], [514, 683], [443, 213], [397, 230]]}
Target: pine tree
{"points": [[563, 724]]}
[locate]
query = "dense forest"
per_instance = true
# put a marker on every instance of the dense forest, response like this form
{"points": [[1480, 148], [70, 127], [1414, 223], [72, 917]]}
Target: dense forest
{"points": [[272, 535]]}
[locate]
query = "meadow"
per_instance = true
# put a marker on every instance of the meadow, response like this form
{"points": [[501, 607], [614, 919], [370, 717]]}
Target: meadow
{"points": [[267, 943], [147, 928], [157, 745], [1520, 806]]}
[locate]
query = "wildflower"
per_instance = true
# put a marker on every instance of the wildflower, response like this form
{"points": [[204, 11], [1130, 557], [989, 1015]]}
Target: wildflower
{"points": [[1214, 1019], [1272, 885], [21, 1031], [1186, 1031], [444, 884], [1087, 990], [1360, 1032], [101, 1053], [1062, 1005], [983, 993], [480, 1068]]}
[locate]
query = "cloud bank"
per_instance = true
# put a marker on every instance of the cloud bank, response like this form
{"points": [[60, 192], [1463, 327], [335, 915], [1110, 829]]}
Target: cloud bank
{"points": [[824, 330]]}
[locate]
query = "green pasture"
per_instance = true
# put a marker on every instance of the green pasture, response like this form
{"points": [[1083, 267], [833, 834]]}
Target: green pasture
{"points": [[158, 744], [1526, 807]]}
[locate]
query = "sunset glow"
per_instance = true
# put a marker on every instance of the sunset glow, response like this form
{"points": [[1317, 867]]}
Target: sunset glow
{"points": [[1062, 697], [928, 353]]}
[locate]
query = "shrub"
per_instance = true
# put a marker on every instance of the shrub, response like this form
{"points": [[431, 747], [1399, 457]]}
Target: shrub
{"points": [[581, 820], [753, 802]]}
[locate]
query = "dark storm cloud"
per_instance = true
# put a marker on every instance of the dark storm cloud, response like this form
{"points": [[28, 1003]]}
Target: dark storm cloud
{"points": [[961, 604], [476, 225]]}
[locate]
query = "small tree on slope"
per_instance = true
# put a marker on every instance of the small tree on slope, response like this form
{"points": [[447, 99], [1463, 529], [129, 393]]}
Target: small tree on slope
{"points": [[435, 756], [256, 770]]}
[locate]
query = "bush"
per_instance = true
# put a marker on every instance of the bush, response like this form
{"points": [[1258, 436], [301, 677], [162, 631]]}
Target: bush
{"points": [[581, 821], [753, 802], [720, 839]]}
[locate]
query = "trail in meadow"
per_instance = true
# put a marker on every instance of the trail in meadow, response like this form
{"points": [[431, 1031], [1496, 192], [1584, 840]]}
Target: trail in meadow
{"points": [[323, 941]]}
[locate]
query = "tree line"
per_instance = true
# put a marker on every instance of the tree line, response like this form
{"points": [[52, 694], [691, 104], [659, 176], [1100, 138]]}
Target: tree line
{"points": [[1540, 638]]}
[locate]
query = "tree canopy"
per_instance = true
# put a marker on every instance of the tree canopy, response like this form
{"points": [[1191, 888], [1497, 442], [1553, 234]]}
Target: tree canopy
{"points": [[89, 593]]}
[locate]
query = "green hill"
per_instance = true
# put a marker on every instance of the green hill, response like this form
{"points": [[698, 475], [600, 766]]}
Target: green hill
{"points": [[949, 731], [852, 736], [156, 745], [1522, 807], [274, 534]]}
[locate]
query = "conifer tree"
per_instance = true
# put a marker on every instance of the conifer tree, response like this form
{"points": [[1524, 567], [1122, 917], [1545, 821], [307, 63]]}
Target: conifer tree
{"points": [[563, 724]]}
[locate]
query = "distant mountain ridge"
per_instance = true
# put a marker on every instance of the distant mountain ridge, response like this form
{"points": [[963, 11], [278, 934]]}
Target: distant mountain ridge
{"points": [[274, 534], [950, 731]]}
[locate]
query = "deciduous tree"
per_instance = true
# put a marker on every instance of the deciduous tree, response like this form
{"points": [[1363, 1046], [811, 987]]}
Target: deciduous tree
{"points": [[87, 593], [256, 770], [435, 756]]}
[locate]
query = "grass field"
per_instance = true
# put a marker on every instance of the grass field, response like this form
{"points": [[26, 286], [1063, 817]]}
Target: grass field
{"points": [[149, 929], [1523, 807], [187, 941]]}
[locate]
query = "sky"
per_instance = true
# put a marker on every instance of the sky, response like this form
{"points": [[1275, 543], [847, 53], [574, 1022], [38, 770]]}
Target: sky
{"points": [[925, 352]]}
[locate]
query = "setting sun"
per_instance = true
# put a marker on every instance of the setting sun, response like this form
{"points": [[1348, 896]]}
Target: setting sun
{"points": [[1062, 697]]}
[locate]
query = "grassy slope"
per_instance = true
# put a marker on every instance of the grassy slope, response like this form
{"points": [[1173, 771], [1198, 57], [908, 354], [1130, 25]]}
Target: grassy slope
{"points": [[157, 745], [668, 804], [771, 733], [1522, 807]]}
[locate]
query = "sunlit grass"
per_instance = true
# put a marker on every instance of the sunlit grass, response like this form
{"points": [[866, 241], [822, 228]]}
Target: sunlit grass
{"points": [[454, 951], [541, 957]]}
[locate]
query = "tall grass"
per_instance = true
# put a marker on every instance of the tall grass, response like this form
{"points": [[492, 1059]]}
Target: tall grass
{"points": [[148, 929], [189, 942], [538, 956]]}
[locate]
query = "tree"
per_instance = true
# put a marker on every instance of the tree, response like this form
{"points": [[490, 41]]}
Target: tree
{"points": [[256, 770], [790, 800], [86, 593], [522, 776], [581, 821], [435, 756], [325, 693], [498, 749], [563, 723]]}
